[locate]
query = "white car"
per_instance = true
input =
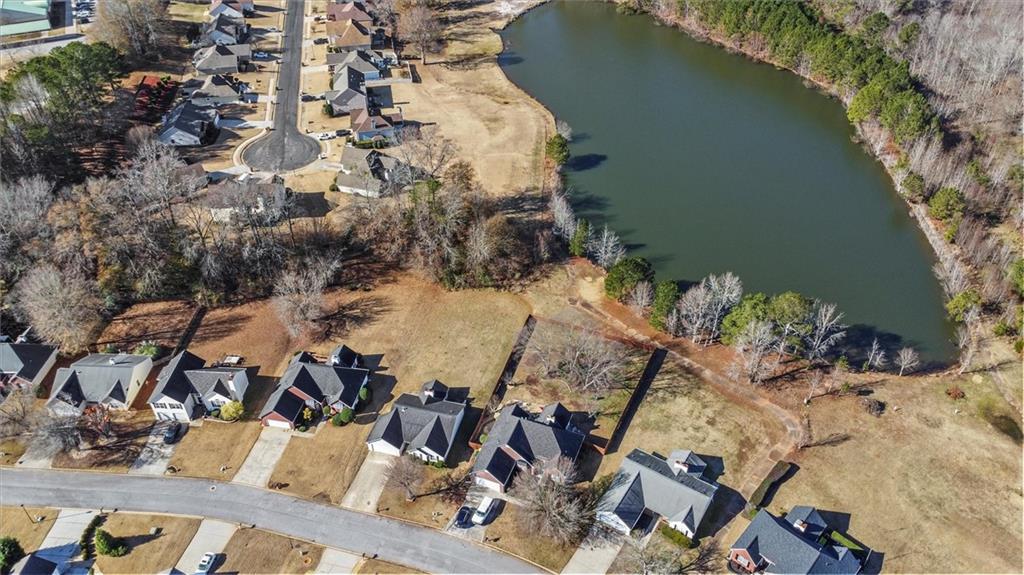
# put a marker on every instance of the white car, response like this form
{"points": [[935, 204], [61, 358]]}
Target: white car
{"points": [[206, 563], [483, 511], [326, 136], [260, 55]]}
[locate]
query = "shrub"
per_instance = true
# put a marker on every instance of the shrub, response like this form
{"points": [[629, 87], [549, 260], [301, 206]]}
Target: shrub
{"points": [[333, 187], [1017, 276], [873, 406], [302, 428], [107, 544], [962, 303], [677, 537], [1018, 345], [665, 297], [945, 204], [232, 410], [954, 392], [110, 348], [623, 276], [149, 348], [10, 552], [336, 420], [365, 394], [85, 542], [557, 148], [326, 411], [438, 464], [978, 174], [215, 413], [913, 186], [483, 438], [1002, 328], [580, 239], [909, 33], [346, 415]]}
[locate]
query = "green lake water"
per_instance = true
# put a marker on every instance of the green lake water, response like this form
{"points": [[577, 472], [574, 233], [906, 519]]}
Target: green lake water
{"points": [[705, 162]]}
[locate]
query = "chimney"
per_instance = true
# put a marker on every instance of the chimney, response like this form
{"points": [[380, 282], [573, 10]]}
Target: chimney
{"points": [[120, 357], [231, 384], [801, 525], [373, 123], [680, 466]]}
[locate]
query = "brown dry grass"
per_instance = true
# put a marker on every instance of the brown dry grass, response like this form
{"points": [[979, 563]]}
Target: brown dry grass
{"points": [[931, 488], [163, 322], [10, 451], [147, 553], [203, 450], [420, 332], [506, 533], [378, 567], [255, 551], [130, 431], [29, 533], [251, 330], [428, 509]]}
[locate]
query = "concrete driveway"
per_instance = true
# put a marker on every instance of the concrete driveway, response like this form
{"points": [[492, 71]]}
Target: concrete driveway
{"points": [[155, 455], [212, 535], [334, 561], [61, 543], [594, 555], [37, 456], [259, 464], [390, 540], [368, 483]]}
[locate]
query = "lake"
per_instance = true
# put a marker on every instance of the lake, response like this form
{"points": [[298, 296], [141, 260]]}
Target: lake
{"points": [[706, 162]]}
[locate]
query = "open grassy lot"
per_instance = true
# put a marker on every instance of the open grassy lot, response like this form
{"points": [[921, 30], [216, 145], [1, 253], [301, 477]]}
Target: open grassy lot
{"points": [[203, 450], [429, 508], [931, 483], [188, 11], [255, 551], [11, 450], [506, 533], [129, 433], [417, 332], [148, 553], [163, 322], [378, 567], [28, 532]]}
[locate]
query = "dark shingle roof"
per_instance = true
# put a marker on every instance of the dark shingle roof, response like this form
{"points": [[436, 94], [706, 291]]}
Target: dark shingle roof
{"points": [[185, 375], [284, 403], [530, 438], [320, 381], [416, 423], [789, 551], [24, 360]]}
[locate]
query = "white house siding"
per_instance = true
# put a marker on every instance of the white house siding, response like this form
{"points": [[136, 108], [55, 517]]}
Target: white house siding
{"points": [[381, 446], [358, 191], [493, 485], [167, 409], [680, 527]]}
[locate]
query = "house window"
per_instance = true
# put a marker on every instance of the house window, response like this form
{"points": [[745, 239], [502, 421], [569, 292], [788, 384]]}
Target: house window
{"points": [[741, 559]]}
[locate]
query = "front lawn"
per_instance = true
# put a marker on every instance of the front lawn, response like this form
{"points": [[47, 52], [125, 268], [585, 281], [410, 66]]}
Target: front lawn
{"points": [[507, 534], [203, 450], [255, 551], [14, 522], [129, 432], [147, 552], [429, 508]]}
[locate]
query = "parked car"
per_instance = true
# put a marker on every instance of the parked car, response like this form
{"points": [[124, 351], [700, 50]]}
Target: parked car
{"points": [[273, 29], [307, 98], [173, 432], [261, 55], [320, 41], [206, 563], [343, 132], [483, 511], [462, 518], [326, 136]]}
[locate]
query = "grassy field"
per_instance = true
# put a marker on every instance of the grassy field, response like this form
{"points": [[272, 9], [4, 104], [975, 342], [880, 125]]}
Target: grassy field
{"points": [[931, 483], [418, 332], [507, 534], [203, 450], [29, 533], [255, 551], [378, 567], [148, 553], [428, 509], [130, 431], [10, 451], [163, 322]]}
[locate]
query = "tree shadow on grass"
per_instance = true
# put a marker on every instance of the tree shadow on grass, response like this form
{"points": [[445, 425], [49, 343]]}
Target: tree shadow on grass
{"points": [[351, 315]]}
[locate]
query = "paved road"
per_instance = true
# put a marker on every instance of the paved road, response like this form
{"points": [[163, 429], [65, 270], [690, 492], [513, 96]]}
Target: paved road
{"points": [[286, 148], [390, 540]]}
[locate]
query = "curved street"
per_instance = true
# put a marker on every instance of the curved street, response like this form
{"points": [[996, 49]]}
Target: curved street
{"points": [[285, 148], [391, 540]]}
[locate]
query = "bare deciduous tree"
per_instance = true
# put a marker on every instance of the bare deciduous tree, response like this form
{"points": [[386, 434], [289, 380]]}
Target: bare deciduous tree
{"points": [[876, 357], [907, 360], [62, 306], [564, 216], [299, 298], [703, 307], [551, 506], [562, 128], [406, 472], [967, 343], [426, 150], [17, 417], [420, 26], [584, 360], [130, 25], [57, 432], [607, 249], [752, 346], [641, 298], [826, 331]]}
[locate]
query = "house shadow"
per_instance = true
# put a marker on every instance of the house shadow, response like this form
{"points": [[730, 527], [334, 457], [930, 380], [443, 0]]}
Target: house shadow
{"points": [[311, 205], [374, 361], [381, 387], [715, 466], [728, 503]]}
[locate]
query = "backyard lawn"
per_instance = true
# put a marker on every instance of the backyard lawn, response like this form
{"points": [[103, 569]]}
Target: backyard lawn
{"points": [[162, 322], [255, 551], [148, 552], [25, 528]]}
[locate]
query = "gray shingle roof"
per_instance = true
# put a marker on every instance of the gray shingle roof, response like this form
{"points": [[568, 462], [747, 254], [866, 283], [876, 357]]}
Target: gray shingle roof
{"points": [[95, 378], [645, 481], [787, 550], [24, 360], [415, 422], [518, 435], [190, 118]]}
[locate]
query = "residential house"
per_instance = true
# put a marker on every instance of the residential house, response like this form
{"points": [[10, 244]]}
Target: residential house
{"points": [[309, 383], [249, 198], [236, 9], [223, 59], [109, 379], [346, 57], [370, 124], [25, 16], [340, 11], [797, 544], [349, 35], [190, 125], [223, 30], [348, 93], [368, 172], [345, 356], [185, 389], [36, 564], [219, 90], [24, 365], [648, 488], [521, 441], [423, 425], [359, 60]]}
